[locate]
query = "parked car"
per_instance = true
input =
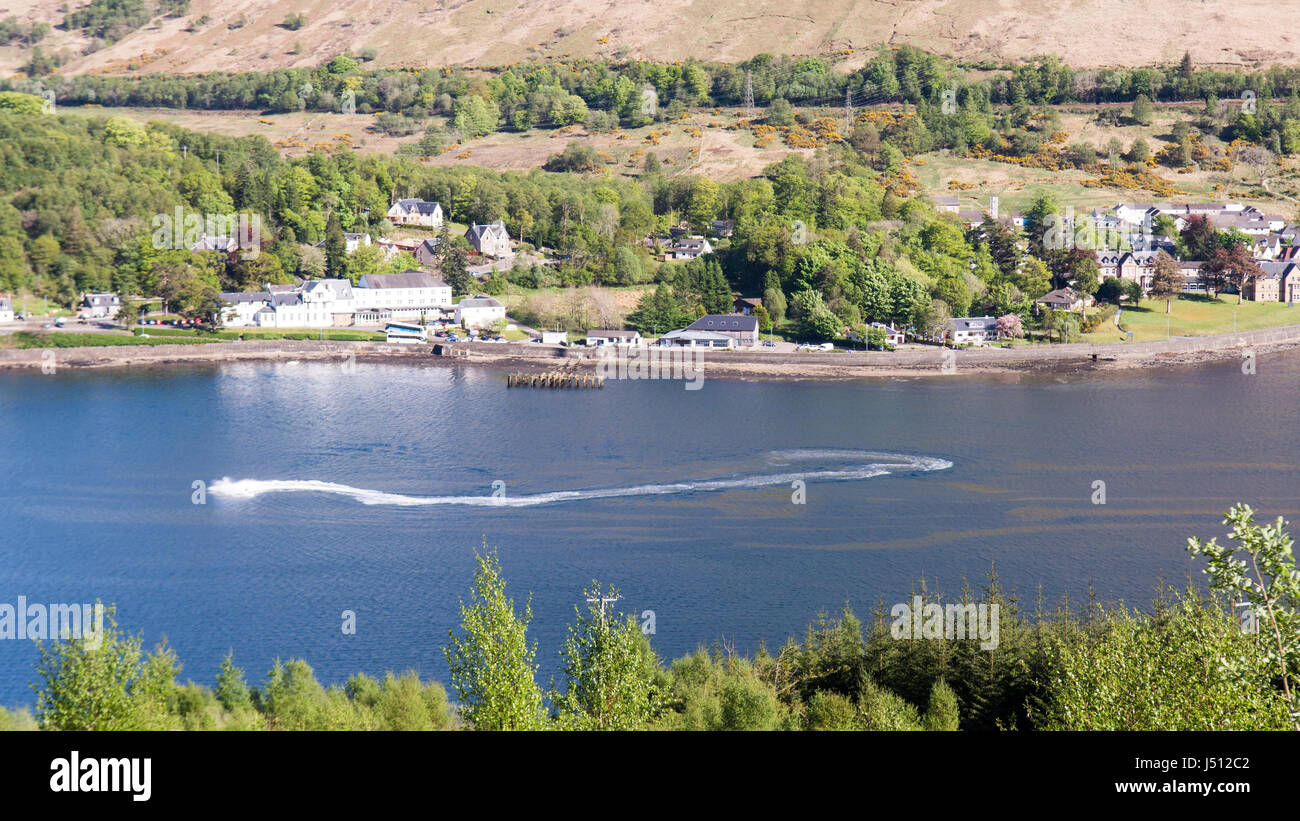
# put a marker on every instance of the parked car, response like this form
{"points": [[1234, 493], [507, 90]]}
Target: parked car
{"points": [[826, 346], [767, 343]]}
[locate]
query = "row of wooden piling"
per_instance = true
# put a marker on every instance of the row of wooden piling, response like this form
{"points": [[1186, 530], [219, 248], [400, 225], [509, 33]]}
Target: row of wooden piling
{"points": [[554, 379]]}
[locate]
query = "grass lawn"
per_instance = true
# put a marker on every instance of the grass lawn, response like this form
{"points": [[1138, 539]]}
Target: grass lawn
{"points": [[27, 340], [1194, 316], [35, 306]]}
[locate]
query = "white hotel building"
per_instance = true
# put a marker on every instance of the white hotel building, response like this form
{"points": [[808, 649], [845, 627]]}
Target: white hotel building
{"points": [[336, 303]]}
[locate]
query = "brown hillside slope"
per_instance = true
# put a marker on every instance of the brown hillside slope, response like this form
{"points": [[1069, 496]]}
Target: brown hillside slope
{"points": [[487, 32]]}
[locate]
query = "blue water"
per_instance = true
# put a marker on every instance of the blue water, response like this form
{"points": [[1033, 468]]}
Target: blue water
{"points": [[96, 486]]}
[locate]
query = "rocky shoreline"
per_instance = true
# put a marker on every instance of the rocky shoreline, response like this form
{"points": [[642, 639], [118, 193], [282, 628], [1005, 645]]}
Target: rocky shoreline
{"points": [[534, 358]]}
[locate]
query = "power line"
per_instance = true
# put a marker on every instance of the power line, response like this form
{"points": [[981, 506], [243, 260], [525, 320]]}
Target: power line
{"points": [[604, 600]]}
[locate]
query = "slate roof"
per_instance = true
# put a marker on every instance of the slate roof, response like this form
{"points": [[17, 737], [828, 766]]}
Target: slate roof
{"points": [[407, 279], [725, 322], [975, 323], [479, 302], [417, 206]]}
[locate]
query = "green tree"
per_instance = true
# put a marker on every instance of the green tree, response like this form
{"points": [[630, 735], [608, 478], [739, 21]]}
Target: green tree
{"points": [[1261, 570], [1166, 280], [491, 665], [336, 249], [1166, 671], [627, 266], [609, 671], [232, 691], [454, 264], [1086, 279], [942, 712], [703, 203], [475, 116], [779, 112], [14, 271], [19, 103], [1142, 112], [104, 681], [1063, 325]]}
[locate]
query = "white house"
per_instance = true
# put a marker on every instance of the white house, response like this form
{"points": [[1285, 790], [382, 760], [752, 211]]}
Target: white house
{"points": [[479, 311], [491, 240], [893, 336], [408, 295], [322, 303], [6, 309], [351, 242], [100, 305], [973, 330], [415, 212], [692, 248], [220, 244], [241, 308], [603, 338]]}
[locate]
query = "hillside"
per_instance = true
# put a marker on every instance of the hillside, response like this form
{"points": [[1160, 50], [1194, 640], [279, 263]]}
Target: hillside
{"points": [[242, 35]]}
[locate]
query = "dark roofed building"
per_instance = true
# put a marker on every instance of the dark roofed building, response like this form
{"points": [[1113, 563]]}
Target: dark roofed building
{"points": [[1063, 299], [491, 239], [973, 330], [101, 305], [406, 279], [426, 253], [743, 329]]}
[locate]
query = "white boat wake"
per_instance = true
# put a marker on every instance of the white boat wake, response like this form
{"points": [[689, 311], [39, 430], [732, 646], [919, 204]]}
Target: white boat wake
{"points": [[879, 464]]}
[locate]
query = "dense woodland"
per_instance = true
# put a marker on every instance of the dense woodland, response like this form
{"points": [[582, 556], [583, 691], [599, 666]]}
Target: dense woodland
{"points": [[1186, 664], [830, 242]]}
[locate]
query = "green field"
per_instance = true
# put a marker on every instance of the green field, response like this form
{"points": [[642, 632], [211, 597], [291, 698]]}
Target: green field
{"points": [[27, 340], [28, 305], [1194, 316]]}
